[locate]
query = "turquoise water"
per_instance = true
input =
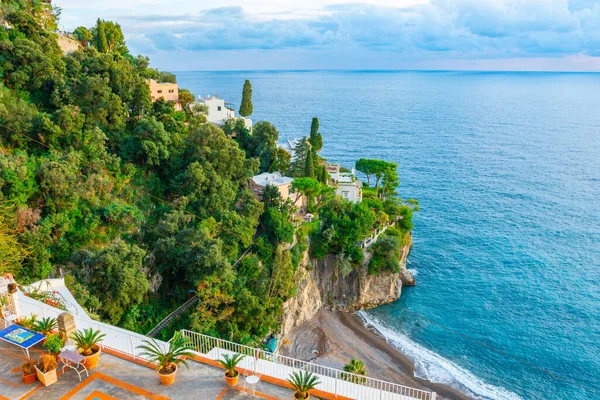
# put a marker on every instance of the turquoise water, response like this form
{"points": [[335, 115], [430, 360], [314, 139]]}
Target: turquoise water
{"points": [[507, 243]]}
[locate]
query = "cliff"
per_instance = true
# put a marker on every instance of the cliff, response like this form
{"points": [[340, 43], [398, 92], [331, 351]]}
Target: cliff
{"points": [[322, 287]]}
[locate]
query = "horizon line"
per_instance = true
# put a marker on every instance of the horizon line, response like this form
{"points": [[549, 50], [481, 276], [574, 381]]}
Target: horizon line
{"points": [[389, 70]]}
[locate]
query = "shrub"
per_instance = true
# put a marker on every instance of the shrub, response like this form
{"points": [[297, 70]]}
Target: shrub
{"points": [[54, 343], [166, 360], [47, 363], [28, 367]]}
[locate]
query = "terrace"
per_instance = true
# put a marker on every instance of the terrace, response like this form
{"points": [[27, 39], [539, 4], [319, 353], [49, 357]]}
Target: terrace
{"points": [[123, 373]]}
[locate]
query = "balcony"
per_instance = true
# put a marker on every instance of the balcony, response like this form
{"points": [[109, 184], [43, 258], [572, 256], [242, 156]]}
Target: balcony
{"points": [[123, 374]]}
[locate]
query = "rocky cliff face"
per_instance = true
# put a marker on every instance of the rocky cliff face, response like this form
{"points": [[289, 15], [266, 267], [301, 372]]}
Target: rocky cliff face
{"points": [[322, 287]]}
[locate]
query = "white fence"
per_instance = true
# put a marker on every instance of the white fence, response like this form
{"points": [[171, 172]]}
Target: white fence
{"points": [[262, 362], [332, 380]]}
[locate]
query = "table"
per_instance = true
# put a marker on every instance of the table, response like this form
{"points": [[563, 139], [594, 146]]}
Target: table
{"points": [[21, 337], [74, 360]]}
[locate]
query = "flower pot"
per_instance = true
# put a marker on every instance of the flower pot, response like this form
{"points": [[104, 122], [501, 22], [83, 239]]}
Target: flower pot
{"points": [[232, 380], [27, 379], [48, 378], [91, 361], [167, 379], [297, 396]]}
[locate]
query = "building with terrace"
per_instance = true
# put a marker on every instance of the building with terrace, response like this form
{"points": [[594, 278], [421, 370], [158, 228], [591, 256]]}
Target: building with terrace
{"points": [[346, 184], [124, 373], [219, 111], [167, 91]]}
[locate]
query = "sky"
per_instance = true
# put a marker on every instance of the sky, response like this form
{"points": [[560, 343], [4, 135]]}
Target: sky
{"points": [[189, 35]]}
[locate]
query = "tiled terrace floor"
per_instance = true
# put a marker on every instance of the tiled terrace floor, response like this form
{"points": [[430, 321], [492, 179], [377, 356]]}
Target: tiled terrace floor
{"points": [[118, 378]]}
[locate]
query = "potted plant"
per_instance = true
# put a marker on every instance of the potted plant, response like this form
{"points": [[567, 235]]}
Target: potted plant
{"points": [[302, 382], [54, 344], [167, 359], [45, 326], [229, 363], [87, 342], [46, 369], [28, 372]]}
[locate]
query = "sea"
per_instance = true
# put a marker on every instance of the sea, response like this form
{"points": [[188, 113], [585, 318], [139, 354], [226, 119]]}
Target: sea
{"points": [[506, 253]]}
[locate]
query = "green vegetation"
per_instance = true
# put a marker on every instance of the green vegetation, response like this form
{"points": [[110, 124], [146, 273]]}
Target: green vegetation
{"points": [[167, 359], [45, 326], [54, 343], [86, 339], [302, 382], [246, 105], [356, 367], [141, 205], [230, 362]]}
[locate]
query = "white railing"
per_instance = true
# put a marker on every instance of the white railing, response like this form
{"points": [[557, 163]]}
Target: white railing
{"points": [[332, 380], [117, 339]]}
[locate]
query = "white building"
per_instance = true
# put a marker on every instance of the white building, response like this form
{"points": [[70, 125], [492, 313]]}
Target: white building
{"points": [[219, 111], [283, 183], [346, 184]]}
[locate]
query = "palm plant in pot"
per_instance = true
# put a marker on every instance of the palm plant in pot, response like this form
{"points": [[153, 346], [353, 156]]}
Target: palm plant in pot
{"points": [[46, 369], [168, 358], [45, 326], [87, 342], [229, 363], [302, 382], [28, 371]]}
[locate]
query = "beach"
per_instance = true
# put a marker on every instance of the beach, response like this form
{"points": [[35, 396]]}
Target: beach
{"points": [[332, 338]]}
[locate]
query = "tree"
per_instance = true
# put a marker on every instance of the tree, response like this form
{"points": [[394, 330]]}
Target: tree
{"points": [[309, 165], [298, 164], [100, 37], [115, 273], [83, 35], [263, 144], [12, 251], [185, 98], [246, 105], [386, 255], [356, 367], [316, 140], [281, 162]]}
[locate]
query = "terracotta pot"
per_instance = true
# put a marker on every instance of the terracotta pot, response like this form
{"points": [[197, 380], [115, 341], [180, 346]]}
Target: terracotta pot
{"points": [[27, 379], [298, 398], [92, 361], [167, 379], [48, 378], [232, 381]]}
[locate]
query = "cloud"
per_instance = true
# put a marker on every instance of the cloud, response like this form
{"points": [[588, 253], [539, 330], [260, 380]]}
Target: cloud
{"points": [[412, 30], [447, 28]]}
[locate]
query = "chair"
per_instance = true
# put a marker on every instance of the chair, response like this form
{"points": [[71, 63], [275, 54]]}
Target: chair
{"points": [[253, 379], [8, 316]]}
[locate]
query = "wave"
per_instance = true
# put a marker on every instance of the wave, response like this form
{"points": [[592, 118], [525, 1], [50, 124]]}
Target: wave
{"points": [[435, 368]]}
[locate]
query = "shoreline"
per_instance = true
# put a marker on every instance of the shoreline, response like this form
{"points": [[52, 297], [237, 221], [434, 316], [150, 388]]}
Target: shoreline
{"points": [[333, 337]]}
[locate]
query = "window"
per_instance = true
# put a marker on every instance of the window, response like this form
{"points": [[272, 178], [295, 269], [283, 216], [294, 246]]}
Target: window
{"points": [[159, 91], [219, 108], [171, 90], [345, 194]]}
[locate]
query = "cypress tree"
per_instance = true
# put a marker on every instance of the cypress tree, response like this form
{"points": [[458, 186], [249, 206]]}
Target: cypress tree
{"points": [[314, 127], [315, 138], [101, 42], [246, 106], [309, 166]]}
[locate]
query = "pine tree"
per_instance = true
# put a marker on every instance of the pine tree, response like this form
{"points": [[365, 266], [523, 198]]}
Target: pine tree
{"points": [[246, 106], [309, 166]]}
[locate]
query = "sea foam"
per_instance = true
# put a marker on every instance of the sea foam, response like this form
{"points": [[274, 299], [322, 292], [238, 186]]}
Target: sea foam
{"points": [[435, 368]]}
